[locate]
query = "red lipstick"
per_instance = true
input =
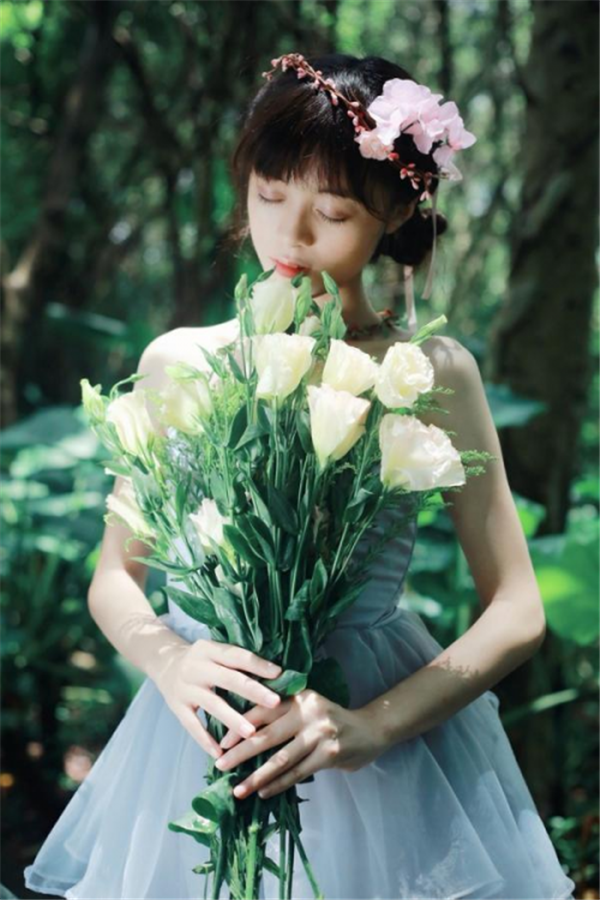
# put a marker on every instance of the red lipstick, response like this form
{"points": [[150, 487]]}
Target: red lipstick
{"points": [[288, 271]]}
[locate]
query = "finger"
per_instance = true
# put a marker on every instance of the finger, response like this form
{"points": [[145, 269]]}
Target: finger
{"points": [[219, 708], [239, 658], [308, 766], [258, 715], [287, 758], [266, 738], [245, 686], [192, 723]]}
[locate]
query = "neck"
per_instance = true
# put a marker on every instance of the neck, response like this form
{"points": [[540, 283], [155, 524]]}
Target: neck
{"points": [[356, 307]]}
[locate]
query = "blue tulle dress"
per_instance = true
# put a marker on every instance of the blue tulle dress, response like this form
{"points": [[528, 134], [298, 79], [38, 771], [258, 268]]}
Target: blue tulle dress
{"points": [[446, 814]]}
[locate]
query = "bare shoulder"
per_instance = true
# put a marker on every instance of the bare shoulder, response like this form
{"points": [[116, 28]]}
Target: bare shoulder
{"points": [[182, 345], [456, 369], [451, 360]]}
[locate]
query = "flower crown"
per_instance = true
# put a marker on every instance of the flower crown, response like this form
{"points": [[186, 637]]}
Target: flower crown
{"points": [[403, 107]]}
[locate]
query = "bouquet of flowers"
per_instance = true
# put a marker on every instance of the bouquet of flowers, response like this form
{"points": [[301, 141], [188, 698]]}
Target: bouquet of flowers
{"points": [[277, 455]]}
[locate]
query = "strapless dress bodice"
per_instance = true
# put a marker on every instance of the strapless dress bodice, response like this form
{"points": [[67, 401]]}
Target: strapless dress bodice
{"points": [[377, 603]]}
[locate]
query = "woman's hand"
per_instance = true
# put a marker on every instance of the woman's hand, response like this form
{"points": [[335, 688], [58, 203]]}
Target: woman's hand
{"points": [[321, 735], [187, 682]]}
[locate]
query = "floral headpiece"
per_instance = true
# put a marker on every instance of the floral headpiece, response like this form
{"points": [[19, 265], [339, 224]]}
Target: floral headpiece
{"points": [[403, 107]]}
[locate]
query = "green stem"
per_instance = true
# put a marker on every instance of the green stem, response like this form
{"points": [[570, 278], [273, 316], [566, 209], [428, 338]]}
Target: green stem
{"points": [[219, 870], [290, 871], [307, 866], [253, 844], [282, 836]]}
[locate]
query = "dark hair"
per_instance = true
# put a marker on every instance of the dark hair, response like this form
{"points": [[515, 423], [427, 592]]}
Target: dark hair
{"points": [[290, 127]]}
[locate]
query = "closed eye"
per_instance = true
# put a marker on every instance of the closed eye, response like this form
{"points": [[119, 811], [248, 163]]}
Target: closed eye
{"points": [[323, 216]]}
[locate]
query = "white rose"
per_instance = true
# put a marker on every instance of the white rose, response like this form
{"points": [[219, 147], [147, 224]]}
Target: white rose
{"points": [[309, 325], [129, 414], [273, 303], [281, 360], [349, 368], [183, 402], [208, 523], [337, 421], [416, 456], [125, 506], [404, 374]]}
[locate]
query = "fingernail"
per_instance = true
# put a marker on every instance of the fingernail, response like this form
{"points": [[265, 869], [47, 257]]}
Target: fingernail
{"points": [[215, 753], [273, 700], [248, 729], [274, 668]]}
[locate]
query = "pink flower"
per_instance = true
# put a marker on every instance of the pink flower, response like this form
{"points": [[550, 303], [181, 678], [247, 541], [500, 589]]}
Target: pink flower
{"points": [[371, 145], [410, 108]]}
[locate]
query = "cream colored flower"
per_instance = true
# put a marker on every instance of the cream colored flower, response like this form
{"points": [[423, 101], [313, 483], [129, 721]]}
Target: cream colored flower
{"points": [[208, 523], [184, 403], [349, 368], [125, 506], [404, 373], [92, 401], [337, 421], [129, 414], [281, 360], [273, 303], [309, 325], [416, 456]]}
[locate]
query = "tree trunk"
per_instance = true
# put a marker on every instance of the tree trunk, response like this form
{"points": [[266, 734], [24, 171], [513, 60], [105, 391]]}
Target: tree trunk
{"points": [[540, 344], [25, 288]]}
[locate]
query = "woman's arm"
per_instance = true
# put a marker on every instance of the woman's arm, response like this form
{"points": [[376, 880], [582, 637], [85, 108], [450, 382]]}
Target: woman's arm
{"points": [[116, 598], [511, 627]]}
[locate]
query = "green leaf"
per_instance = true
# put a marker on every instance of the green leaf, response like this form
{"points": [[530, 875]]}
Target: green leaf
{"points": [[242, 546], [238, 426], [318, 584], [566, 568], [330, 286], [214, 362], [297, 608], [235, 368], [271, 867], [229, 609], [258, 536], [303, 430], [282, 512], [252, 433], [216, 803], [288, 683], [156, 563], [199, 608], [201, 829]]}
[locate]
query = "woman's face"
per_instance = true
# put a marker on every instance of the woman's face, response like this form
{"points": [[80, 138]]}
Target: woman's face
{"points": [[294, 223]]}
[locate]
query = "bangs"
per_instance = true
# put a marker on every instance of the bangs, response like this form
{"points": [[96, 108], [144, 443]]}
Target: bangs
{"points": [[302, 136]]}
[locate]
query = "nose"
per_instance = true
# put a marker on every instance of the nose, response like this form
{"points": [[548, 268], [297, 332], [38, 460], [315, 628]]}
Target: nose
{"points": [[296, 229]]}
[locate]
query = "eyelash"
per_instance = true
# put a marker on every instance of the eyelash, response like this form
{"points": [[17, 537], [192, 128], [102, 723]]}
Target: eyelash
{"points": [[323, 216]]}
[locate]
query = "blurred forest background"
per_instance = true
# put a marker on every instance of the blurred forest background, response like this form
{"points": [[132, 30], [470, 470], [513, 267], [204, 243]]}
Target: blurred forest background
{"points": [[118, 119]]}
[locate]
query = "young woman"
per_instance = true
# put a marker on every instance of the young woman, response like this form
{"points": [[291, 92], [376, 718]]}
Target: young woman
{"points": [[416, 790]]}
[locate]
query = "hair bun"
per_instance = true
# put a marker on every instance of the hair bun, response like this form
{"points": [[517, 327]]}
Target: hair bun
{"points": [[411, 243]]}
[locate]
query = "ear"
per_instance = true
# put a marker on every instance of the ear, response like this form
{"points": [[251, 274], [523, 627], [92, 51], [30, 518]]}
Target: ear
{"points": [[400, 218]]}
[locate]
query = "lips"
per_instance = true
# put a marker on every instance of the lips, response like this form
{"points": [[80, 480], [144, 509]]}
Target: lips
{"points": [[288, 268]]}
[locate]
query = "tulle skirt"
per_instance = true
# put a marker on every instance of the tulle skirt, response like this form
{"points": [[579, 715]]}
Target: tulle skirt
{"points": [[446, 814]]}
